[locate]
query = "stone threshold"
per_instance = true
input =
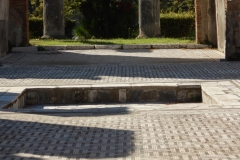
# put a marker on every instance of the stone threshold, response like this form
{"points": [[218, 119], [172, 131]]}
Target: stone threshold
{"points": [[124, 47]]}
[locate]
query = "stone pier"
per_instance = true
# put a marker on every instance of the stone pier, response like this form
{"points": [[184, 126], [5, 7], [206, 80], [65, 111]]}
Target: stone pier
{"points": [[4, 15], [205, 13], [232, 49], [53, 19], [149, 18]]}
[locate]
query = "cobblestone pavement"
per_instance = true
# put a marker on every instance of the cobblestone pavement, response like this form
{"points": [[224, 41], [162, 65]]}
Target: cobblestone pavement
{"points": [[60, 75], [180, 135], [174, 131], [111, 66], [93, 57]]}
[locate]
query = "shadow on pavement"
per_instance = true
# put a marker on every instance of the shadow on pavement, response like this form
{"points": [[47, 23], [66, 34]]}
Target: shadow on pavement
{"points": [[33, 140], [70, 65]]}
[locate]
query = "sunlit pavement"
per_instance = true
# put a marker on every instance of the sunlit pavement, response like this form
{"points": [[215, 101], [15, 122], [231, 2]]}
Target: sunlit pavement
{"points": [[136, 131]]}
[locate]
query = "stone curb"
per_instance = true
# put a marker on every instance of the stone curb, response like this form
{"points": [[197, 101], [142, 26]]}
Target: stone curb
{"points": [[24, 49], [128, 47]]}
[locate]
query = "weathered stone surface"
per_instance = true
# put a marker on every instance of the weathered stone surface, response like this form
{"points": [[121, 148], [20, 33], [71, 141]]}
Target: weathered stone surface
{"points": [[205, 13], [18, 23], [82, 47], [232, 30], [54, 48], [4, 27], [165, 46], [122, 95], [53, 19], [144, 46], [167, 95], [25, 49], [221, 24], [108, 46], [149, 18]]}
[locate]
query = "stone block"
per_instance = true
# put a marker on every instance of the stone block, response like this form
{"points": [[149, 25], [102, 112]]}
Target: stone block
{"points": [[167, 95], [32, 98], [54, 48], [25, 49], [183, 46], [134, 95], [165, 46], [108, 46], [122, 95], [148, 96], [191, 46], [202, 46], [80, 47], [144, 46]]}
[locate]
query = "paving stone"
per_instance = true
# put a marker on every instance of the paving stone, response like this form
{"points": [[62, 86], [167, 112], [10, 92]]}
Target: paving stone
{"points": [[142, 135]]}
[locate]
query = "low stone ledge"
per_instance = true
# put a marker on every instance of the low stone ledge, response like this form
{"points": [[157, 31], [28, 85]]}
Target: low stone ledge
{"points": [[108, 47], [203, 46], [165, 46], [80, 47], [132, 46], [24, 49], [191, 46], [53, 48]]}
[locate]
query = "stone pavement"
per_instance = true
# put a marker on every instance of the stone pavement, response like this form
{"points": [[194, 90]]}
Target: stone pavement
{"points": [[173, 135], [127, 131]]}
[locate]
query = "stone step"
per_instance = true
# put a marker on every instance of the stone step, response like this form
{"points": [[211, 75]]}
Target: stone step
{"points": [[128, 47]]}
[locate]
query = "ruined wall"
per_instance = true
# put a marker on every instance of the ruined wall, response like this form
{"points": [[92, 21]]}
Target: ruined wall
{"points": [[3, 27], [205, 13], [232, 30], [18, 23]]}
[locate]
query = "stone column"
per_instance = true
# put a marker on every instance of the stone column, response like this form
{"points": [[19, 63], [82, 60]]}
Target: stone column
{"points": [[4, 14], [53, 19], [149, 18]]}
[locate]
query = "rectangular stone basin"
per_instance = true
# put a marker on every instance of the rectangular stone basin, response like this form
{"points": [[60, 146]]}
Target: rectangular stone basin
{"points": [[108, 95]]}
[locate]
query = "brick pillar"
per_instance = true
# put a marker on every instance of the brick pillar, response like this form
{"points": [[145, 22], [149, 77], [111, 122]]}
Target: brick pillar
{"points": [[53, 19], [149, 18], [4, 14]]}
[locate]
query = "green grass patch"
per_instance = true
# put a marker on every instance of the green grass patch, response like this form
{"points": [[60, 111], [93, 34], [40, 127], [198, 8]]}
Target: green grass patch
{"points": [[39, 42]]}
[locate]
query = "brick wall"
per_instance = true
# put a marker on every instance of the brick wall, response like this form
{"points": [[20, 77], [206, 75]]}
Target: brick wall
{"points": [[18, 22]]}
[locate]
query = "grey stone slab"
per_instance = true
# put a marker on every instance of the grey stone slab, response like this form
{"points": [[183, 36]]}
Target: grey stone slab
{"points": [[25, 49], [108, 46], [191, 46], [137, 46], [203, 46], [80, 47], [165, 46], [54, 48]]}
